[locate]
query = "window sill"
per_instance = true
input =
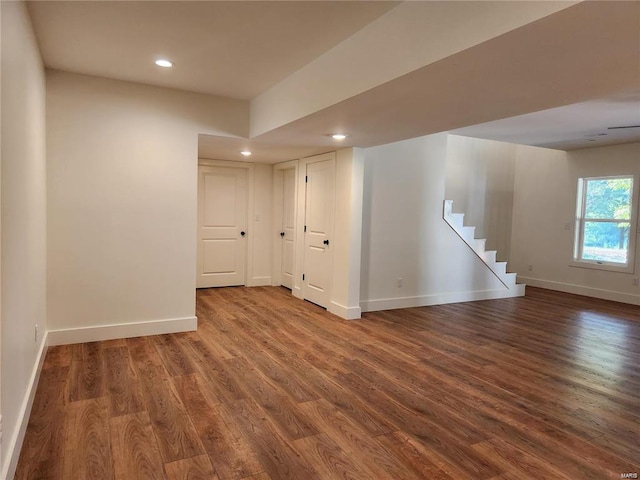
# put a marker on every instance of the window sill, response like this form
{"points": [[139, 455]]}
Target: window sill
{"points": [[607, 267]]}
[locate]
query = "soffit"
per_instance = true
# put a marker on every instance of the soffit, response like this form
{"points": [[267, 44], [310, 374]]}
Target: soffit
{"points": [[596, 123], [577, 70], [235, 49], [588, 54]]}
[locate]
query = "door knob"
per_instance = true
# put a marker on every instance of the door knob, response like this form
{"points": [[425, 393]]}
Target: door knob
{"points": [[242, 233], [282, 234], [326, 242]]}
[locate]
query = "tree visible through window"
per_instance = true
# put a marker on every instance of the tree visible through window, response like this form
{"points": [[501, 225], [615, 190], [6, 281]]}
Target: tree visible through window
{"points": [[604, 220]]}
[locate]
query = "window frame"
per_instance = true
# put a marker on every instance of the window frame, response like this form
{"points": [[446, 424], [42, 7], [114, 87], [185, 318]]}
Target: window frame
{"points": [[580, 222]]}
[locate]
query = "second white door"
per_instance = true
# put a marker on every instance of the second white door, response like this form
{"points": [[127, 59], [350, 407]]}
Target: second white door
{"points": [[288, 226], [319, 215], [222, 219]]}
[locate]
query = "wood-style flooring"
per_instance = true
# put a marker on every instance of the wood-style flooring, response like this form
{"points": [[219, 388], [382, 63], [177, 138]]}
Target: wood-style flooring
{"points": [[541, 387]]}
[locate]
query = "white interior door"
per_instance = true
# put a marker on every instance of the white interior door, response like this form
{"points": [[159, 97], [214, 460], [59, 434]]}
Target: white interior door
{"points": [[222, 219], [319, 213], [288, 225]]}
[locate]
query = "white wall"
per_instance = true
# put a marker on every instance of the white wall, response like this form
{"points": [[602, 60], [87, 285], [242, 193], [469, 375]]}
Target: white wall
{"points": [[347, 234], [24, 254], [277, 218], [298, 289], [345, 246], [259, 218], [545, 200], [404, 234], [1, 447], [408, 37], [480, 181], [262, 225], [122, 178]]}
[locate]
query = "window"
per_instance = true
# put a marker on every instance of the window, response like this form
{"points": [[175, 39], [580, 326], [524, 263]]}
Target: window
{"points": [[605, 230]]}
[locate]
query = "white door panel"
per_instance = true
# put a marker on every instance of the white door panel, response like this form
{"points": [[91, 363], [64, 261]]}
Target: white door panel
{"points": [[287, 263], [220, 197], [222, 216], [288, 226], [318, 255], [219, 256]]}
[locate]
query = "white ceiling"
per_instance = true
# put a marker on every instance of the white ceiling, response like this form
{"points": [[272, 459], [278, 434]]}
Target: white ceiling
{"points": [[557, 82], [229, 148], [235, 49], [587, 124]]}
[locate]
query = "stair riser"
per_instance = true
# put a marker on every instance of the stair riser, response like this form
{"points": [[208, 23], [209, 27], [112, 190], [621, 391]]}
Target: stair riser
{"points": [[478, 245]]}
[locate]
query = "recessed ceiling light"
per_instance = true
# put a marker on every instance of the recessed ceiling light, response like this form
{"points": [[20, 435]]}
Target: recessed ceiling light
{"points": [[246, 153], [163, 62], [338, 136]]}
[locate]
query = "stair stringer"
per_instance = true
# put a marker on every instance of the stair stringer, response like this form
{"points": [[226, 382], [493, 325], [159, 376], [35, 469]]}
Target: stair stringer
{"points": [[477, 245]]}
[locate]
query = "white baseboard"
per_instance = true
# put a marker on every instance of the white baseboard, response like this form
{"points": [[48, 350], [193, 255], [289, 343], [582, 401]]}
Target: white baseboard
{"points": [[15, 442], [582, 290], [437, 299], [297, 292], [348, 313], [260, 282], [127, 330]]}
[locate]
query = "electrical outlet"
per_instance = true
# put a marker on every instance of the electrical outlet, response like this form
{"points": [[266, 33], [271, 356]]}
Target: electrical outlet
{"points": [[35, 336], [567, 226], [634, 282], [530, 268], [400, 282]]}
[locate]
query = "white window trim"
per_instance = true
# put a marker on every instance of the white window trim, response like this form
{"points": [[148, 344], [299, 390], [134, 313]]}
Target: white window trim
{"points": [[633, 229]]}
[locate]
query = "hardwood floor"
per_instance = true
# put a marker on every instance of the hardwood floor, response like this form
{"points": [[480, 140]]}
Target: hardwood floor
{"points": [[270, 387]]}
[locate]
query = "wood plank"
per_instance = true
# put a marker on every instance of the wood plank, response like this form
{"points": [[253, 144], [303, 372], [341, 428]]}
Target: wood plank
{"points": [[87, 441], [278, 457], [222, 384], [231, 455], [123, 389], [114, 343], [271, 361], [434, 416], [273, 402], [45, 435], [174, 358], [51, 469], [329, 460], [419, 458], [87, 373], [174, 430], [270, 387], [258, 476], [194, 468], [362, 448], [363, 414], [58, 356], [622, 455], [135, 450], [451, 448], [224, 351], [516, 461]]}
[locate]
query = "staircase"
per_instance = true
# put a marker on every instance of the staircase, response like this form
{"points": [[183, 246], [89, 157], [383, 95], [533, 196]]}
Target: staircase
{"points": [[488, 257]]}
